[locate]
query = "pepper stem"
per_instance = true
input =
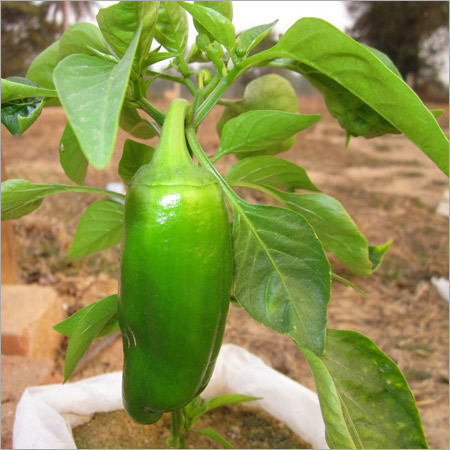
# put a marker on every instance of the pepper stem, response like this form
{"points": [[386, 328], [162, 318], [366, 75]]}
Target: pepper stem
{"points": [[178, 432], [172, 149]]}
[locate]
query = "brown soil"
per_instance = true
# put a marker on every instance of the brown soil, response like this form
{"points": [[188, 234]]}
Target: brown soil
{"points": [[386, 184], [241, 426]]}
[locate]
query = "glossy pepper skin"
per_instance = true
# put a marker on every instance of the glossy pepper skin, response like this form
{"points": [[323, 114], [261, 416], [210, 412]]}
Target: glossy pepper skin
{"points": [[176, 272]]}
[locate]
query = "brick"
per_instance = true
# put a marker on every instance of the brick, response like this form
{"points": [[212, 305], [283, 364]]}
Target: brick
{"points": [[28, 315], [19, 372]]}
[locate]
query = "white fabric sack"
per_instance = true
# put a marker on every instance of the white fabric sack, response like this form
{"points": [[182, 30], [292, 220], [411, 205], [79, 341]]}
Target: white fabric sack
{"points": [[442, 286], [44, 413]]}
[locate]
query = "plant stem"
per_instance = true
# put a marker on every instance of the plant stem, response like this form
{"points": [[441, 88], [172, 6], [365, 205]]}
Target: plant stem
{"points": [[203, 93], [227, 102], [258, 187], [186, 81], [92, 190], [225, 82], [210, 101], [178, 432], [206, 163], [165, 76], [151, 110], [190, 85], [172, 150]]}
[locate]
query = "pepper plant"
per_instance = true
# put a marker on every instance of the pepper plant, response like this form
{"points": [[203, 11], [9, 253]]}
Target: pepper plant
{"points": [[102, 76]]}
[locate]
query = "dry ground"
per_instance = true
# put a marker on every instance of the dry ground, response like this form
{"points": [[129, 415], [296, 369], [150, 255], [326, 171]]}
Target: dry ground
{"points": [[388, 186]]}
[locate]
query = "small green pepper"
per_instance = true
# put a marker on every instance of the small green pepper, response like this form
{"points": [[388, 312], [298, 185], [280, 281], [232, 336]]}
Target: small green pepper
{"points": [[176, 272], [271, 92]]}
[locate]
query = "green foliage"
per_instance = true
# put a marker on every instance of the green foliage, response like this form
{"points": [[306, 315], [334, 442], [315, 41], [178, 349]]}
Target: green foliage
{"points": [[172, 27], [365, 400], [41, 69], [100, 227], [133, 123], [270, 171], [281, 281], [96, 320], [17, 88], [269, 92], [68, 326], [254, 131], [22, 103], [222, 7], [18, 116], [209, 432], [249, 39], [20, 197], [200, 406], [134, 156], [120, 22], [376, 254], [334, 227], [367, 78], [217, 25], [71, 157], [94, 113], [78, 38]]}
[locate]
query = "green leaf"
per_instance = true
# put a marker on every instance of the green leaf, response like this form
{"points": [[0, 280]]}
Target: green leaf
{"points": [[255, 130], [269, 92], [354, 116], [100, 227], [72, 159], [282, 274], [213, 51], [209, 432], [334, 227], [80, 36], [19, 116], [330, 52], [87, 328], [348, 283], [271, 171], [110, 327], [376, 254], [171, 29], [156, 56], [91, 91], [17, 88], [198, 407], [20, 197], [384, 59], [223, 7], [119, 24], [365, 399], [437, 112], [227, 399], [68, 326], [133, 123], [41, 69], [249, 39], [215, 23], [134, 156]]}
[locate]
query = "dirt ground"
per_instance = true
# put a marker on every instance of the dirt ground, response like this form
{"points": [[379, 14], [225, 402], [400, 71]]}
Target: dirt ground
{"points": [[241, 426], [386, 184]]}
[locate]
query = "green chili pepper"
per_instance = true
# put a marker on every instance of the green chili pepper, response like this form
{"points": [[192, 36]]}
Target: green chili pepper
{"points": [[176, 272], [271, 92]]}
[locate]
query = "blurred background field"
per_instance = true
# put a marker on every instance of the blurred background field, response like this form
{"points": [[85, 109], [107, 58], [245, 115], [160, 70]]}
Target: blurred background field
{"points": [[386, 184]]}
